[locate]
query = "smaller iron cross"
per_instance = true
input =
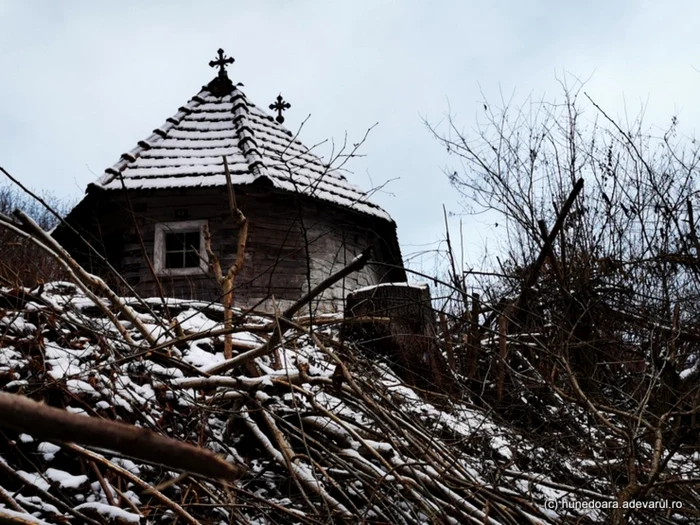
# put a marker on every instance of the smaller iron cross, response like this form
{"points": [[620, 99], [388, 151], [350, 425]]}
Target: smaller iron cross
{"points": [[279, 107], [222, 62]]}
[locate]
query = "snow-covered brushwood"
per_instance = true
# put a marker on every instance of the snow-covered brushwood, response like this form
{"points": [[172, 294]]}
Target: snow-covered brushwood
{"points": [[328, 434], [46, 422], [113, 514], [286, 460]]}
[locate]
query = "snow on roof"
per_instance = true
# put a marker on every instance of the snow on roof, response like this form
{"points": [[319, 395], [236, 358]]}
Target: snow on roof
{"points": [[187, 151]]}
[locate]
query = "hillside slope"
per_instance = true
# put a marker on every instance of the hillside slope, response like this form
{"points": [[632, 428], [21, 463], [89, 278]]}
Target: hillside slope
{"points": [[322, 432]]}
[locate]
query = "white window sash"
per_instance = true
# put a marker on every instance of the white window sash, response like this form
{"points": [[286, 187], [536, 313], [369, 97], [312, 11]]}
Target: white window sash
{"points": [[163, 228]]}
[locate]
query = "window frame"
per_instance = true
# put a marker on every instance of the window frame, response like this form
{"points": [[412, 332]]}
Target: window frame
{"points": [[159, 251]]}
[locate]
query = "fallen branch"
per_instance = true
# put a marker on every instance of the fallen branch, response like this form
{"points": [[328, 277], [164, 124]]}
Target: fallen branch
{"points": [[177, 509], [39, 420], [240, 383], [45, 495], [7, 500], [12, 517], [301, 473]]}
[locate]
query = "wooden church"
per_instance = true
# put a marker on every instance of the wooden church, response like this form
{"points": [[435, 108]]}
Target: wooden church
{"points": [[148, 214]]}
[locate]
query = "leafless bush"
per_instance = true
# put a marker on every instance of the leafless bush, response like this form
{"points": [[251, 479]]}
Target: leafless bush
{"points": [[591, 331], [21, 262]]}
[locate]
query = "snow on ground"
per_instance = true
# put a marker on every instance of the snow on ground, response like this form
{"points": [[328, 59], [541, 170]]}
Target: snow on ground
{"points": [[371, 446]]}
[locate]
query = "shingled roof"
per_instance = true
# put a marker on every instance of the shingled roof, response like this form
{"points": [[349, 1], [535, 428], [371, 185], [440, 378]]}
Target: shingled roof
{"points": [[187, 151]]}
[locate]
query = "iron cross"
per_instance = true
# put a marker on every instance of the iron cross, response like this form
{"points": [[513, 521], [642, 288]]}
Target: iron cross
{"points": [[279, 106], [222, 62]]}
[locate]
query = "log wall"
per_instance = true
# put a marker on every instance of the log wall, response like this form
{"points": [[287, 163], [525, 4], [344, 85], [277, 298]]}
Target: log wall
{"points": [[292, 240]]}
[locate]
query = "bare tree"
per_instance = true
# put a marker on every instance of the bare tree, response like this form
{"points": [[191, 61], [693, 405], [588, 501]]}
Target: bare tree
{"points": [[22, 263], [227, 280], [599, 315]]}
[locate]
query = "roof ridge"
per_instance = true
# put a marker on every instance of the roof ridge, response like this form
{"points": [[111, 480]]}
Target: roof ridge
{"points": [[244, 130]]}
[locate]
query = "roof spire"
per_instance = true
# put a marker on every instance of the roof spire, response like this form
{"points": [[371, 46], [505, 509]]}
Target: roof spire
{"points": [[221, 85], [279, 106], [222, 62]]}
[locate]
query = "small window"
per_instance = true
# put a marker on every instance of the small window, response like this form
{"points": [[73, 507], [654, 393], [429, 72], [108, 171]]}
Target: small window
{"points": [[179, 248]]}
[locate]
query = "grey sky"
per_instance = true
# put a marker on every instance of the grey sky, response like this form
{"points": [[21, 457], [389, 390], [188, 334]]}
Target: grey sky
{"points": [[83, 81]]}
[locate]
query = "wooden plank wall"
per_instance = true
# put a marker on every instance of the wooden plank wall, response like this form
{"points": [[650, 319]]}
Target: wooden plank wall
{"points": [[285, 230]]}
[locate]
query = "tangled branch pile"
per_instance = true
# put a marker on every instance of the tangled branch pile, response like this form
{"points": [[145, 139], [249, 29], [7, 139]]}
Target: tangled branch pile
{"points": [[589, 324], [320, 432]]}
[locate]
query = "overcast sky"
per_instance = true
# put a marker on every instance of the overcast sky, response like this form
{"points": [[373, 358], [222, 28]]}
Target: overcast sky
{"points": [[83, 81]]}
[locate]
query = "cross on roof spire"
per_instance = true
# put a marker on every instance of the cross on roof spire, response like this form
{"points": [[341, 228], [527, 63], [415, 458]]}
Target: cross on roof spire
{"points": [[279, 106], [222, 62]]}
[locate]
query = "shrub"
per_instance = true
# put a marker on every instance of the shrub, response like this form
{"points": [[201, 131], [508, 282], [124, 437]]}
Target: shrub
{"points": [[22, 263]]}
